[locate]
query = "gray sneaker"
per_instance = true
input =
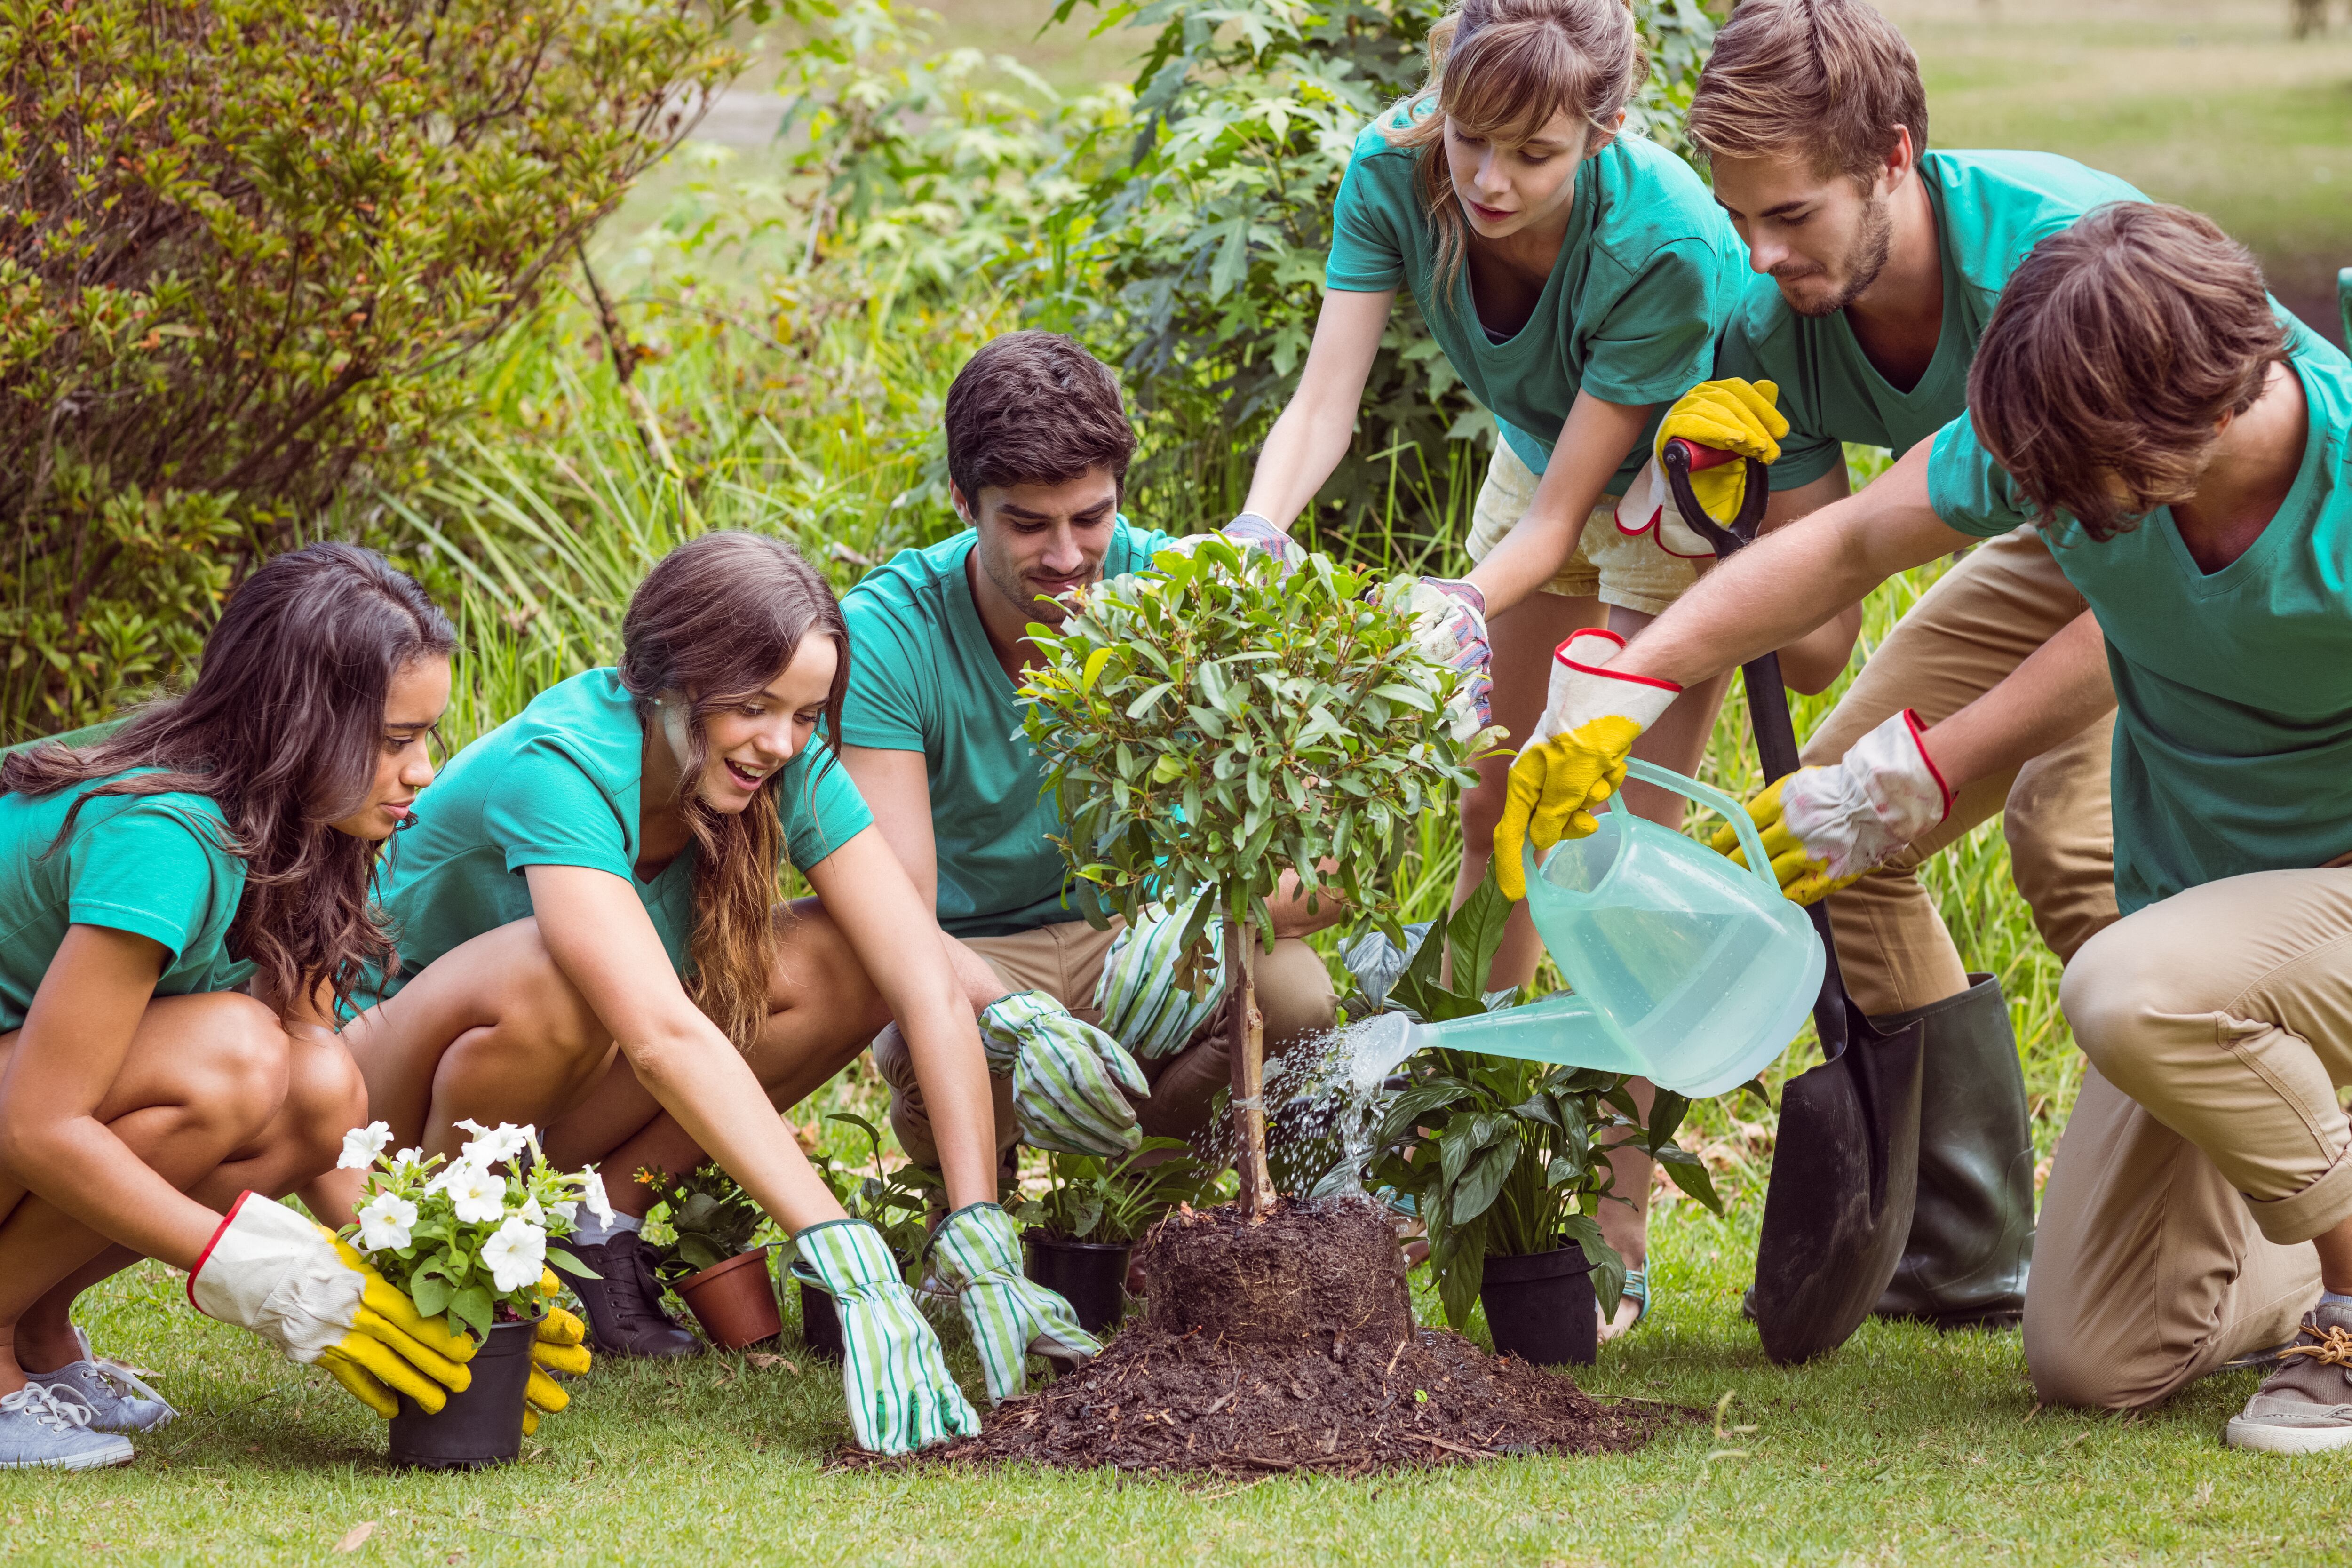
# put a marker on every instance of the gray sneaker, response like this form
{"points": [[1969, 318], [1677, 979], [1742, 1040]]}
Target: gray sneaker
{"points": [[42, 1428], [118, 1400], [2306, 1405]]}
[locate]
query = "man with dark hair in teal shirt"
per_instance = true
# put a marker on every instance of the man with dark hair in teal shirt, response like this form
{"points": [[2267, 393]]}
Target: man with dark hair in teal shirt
{"points": [[1038, 445]]}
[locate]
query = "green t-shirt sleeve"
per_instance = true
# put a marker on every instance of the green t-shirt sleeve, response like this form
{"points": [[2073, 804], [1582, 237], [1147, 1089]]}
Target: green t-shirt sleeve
{"points": [[1367, 253], [1971, 493], [821, 805], [1806, 451], [543, 809], [1655, 340], [144, 869], [885, 705]]}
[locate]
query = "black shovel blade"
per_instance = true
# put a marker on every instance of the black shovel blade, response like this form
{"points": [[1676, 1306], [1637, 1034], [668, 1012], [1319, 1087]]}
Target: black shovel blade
{"points": [[1845, 1173]]}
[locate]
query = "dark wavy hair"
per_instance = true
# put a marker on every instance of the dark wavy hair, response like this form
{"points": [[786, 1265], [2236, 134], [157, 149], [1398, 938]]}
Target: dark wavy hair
{"points": [[719, 617], [282, 731]]}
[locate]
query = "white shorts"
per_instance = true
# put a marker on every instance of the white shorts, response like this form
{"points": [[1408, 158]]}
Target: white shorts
{"points": [[1611, 563]]}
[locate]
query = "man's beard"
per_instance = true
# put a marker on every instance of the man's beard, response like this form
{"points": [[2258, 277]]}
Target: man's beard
{"points": [[1865, 259], [1006, 578]]}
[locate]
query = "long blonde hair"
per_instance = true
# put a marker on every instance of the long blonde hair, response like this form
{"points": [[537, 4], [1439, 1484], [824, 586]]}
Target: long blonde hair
{"points": [[1500, 69], [718, 617]]}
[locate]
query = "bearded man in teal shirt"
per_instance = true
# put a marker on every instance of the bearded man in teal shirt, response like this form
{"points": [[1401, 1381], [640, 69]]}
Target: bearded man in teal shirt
{"points": [[1038, 445]]}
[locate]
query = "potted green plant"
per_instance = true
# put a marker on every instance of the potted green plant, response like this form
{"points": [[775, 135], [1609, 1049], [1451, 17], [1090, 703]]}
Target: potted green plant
{"points": [[895, 1203], [1508, 1162], [1218, 723], [471, 1238], [711, 1262], [1095, 1209]]}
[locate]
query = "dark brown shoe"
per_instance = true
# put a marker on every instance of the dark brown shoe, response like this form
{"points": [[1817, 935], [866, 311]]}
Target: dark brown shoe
{"points": [[623, 1306]]}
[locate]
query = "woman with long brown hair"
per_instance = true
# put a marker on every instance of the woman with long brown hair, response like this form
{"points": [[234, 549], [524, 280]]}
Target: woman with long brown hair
{"points": [[590, 944], [180, 904]]}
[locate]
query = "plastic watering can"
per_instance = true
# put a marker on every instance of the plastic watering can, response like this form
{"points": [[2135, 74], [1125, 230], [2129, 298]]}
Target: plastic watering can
{"points": [[1687, 970]]}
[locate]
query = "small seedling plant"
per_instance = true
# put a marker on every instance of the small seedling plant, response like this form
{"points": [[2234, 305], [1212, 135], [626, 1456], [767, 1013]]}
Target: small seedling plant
{"points": [[711, 1219], [1215, 725], [895, 1203], [468, 1237], [1507, 1158], [1091, 1198]]}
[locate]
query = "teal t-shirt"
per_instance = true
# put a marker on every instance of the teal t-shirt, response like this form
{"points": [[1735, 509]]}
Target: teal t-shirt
{"points": [[152, 865], [923, 678], [2233, 689], [557, 786], [1649, 271], [1992, 209]]}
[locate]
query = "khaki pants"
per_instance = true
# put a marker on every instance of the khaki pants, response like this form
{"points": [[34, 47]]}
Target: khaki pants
{"points": [[1978, 622], [1294, 996], [2207, 1147]]}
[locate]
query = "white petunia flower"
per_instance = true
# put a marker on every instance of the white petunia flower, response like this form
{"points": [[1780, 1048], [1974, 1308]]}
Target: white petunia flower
{"points": [[408, 1157], [532, 1212], [568, 1211], [479, 1193], [516, 1254], [592, 1191], [384, 1222], [491, 1144], [362, 1145]]}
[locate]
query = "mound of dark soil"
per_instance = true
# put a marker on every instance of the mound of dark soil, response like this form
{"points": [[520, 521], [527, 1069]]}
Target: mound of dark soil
{"points": [[1289, 1345]]}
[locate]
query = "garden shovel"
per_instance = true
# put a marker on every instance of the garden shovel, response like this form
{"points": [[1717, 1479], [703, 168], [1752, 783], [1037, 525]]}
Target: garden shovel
{"points": [[1845, 1165]]}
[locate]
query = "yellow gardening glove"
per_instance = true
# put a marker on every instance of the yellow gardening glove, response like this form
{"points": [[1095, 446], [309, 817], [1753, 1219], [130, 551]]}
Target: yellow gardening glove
{"points": [[1730, 416], [268, 1269], [558, 1347], [1577, 760], [1828, 827]]}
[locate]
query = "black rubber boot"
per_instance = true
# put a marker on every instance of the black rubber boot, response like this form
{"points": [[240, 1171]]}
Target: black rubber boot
{"points": [[624, 1310], [1971, 1236]]}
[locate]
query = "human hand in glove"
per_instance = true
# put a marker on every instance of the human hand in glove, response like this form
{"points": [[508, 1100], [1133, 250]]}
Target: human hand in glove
{"points": [[1142, 1006], [1826, 828], [977, 1251], [1247, 531], [560, 1347], [1450, 626], [892, 1371], [1728, 416], [1067, 1076], [268, 1269], [1577, 759]]}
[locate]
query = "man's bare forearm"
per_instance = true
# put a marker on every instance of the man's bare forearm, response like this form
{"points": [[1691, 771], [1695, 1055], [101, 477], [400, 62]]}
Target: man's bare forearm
{"points": [[2060, 689]]}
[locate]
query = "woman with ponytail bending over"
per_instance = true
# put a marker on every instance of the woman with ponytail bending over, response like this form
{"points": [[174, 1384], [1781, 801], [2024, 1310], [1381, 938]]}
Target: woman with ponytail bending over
{"points": [[590, 944]]}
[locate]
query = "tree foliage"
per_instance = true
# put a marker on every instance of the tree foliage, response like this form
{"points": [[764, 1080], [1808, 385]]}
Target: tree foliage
{"points": [[1210, 725], [236, 237]]}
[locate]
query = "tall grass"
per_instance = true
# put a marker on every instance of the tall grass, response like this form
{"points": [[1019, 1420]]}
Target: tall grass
{"points": [[540, 519]]}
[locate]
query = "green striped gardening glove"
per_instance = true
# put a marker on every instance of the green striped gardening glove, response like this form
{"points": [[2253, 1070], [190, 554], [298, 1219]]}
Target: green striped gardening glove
{"points": [[1066, 1076], [1010, 1316], [892, 1370], [1137, 995]]}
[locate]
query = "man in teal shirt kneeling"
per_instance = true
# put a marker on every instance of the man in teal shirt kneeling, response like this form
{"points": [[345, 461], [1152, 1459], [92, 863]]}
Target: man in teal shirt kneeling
{"points": [[1038, 446]]}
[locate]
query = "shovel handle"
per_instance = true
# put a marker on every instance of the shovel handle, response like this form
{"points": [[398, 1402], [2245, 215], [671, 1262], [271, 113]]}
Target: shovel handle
{"points": [[1768, 699]]}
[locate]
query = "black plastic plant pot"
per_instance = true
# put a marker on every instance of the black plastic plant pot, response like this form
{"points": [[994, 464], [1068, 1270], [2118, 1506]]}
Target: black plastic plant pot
{"points": [[482, 1426], [1540, 1308], [820, 1322], [1091, 1276]]}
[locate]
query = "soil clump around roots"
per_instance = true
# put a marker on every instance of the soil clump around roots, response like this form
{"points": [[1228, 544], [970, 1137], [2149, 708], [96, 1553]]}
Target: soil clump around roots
{"points": [[1290, 1345]]}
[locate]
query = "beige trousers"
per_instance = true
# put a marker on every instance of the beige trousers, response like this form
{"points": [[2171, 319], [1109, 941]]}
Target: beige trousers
{"points": [[2207, 1147], [1294, 996], [1979, 621]]}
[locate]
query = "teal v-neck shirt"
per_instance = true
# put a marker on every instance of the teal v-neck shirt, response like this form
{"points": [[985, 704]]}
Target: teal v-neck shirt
{"points": [[1992, 209], [1646, 277], [150, 865], [558, 785], [2233, 688], [923, 677]]}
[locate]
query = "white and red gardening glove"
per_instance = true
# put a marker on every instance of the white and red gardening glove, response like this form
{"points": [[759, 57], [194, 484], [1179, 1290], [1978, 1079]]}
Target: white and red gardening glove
{"points": [[1577, 757], [294, 1283], [1450, 626], [1826, 828], [1246, 533]]}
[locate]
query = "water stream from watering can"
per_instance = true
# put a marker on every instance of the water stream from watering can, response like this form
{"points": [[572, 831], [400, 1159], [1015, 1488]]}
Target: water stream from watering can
{"points": [[1330, 1092]]}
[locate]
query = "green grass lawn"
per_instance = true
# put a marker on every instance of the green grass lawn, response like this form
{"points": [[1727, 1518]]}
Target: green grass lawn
{"points": [[1905, 1447]]}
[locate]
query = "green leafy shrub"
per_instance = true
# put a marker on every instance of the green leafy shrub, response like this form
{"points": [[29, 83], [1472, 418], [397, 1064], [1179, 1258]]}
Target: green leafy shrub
{"points": [[1090, 1198], [237, 241]]}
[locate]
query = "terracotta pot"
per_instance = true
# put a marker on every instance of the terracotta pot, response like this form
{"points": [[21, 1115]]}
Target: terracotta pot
{"points": [[820, 1322], [734, 1301], [1540, 1308], [482, 1426], [1091, 1276]]}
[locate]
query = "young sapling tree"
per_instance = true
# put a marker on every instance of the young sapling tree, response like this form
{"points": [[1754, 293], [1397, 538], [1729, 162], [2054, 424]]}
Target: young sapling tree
{"points": [[1217, 725]]}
